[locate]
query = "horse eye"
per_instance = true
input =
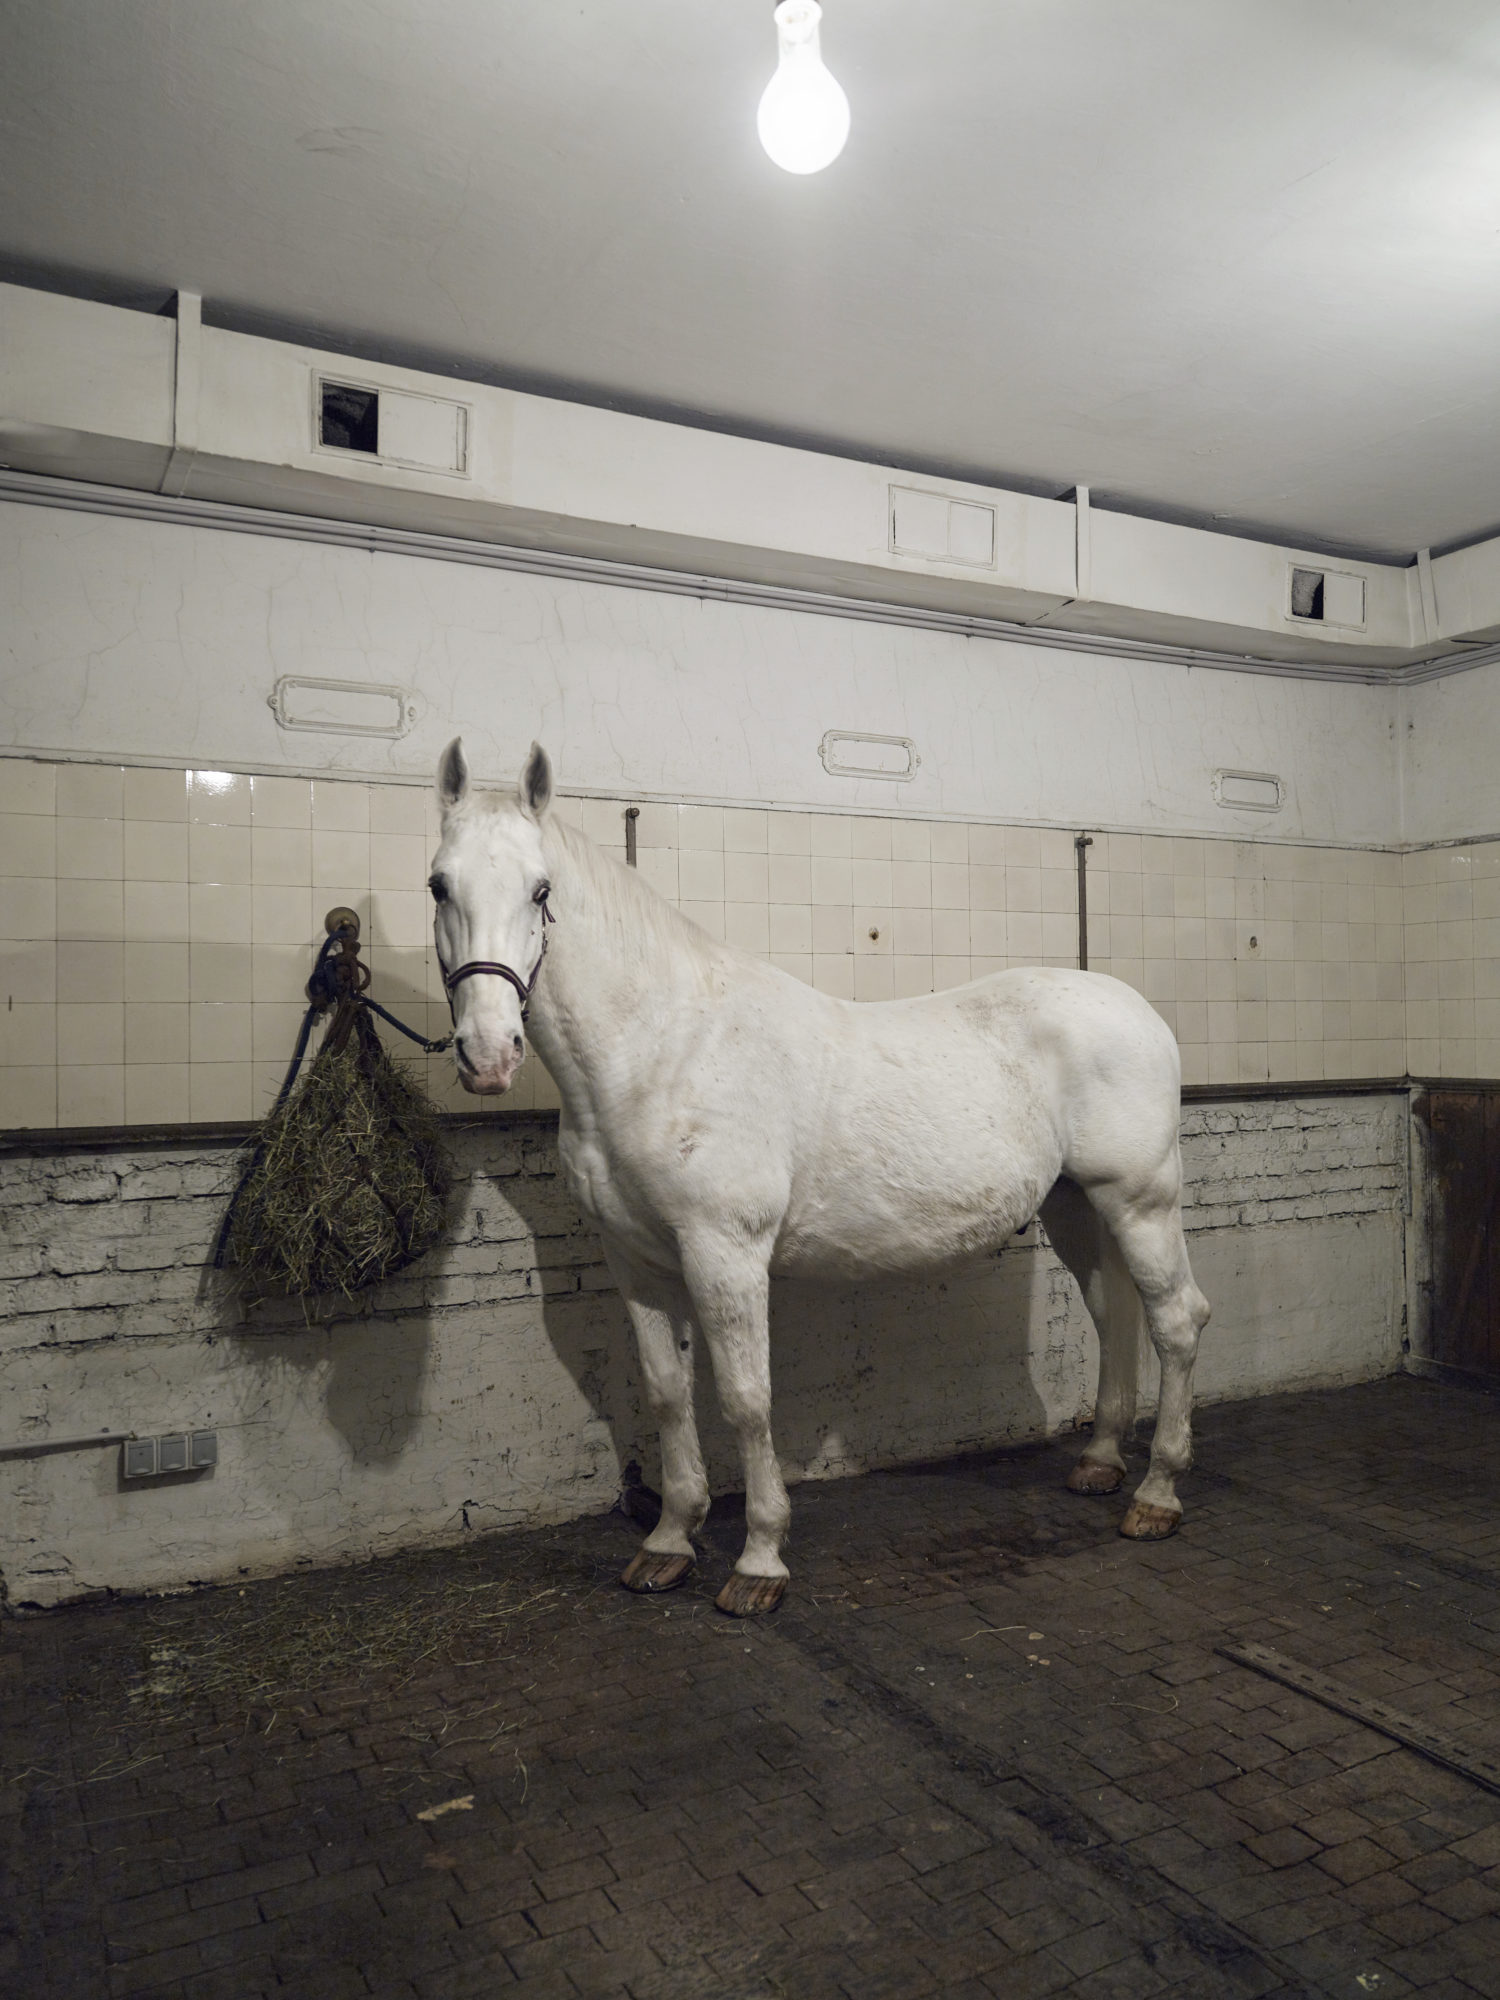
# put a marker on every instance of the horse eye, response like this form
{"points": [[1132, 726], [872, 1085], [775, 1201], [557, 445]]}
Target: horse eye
{"points": [[543, 892], [439, 889]]}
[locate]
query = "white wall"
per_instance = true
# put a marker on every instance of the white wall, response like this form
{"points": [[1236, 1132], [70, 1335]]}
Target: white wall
{"points": [[500, 1383], [1450, 755], [91, 392], [142, 640]]}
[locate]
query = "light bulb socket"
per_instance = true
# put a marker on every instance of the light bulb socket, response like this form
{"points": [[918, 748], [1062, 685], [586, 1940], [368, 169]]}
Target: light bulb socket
{"points": [[797, 21]]}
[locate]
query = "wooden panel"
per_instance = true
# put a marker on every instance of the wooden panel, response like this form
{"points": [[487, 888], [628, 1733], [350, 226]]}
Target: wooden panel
{"points": [[1462, 1193]]}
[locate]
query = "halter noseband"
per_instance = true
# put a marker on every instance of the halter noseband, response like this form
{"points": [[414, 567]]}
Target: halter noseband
{"points": [[524, 987]]}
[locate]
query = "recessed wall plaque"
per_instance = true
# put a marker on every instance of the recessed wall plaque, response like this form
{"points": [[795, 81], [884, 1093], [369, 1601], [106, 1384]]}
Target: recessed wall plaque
{"points": [[1249, 791], [342, 708], [848, 753]]}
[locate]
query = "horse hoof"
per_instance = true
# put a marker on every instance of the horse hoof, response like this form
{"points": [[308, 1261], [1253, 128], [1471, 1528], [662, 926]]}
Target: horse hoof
{"points": [[649, 1571], [1092, 1475], [1144, 1523], [750, 1596]]}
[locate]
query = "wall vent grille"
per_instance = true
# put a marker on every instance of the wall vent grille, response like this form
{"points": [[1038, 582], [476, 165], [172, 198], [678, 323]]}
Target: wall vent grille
{"points": [[391, 426], [1325, 597], [938, 528]]}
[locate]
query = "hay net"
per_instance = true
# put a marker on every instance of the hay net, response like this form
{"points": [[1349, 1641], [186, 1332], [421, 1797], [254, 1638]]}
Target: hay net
{"points": [[349, 1180]]}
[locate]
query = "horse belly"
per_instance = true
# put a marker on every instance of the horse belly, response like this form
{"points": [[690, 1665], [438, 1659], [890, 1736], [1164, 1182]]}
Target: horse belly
{"points": [[924, 1210], [938, 1143]]}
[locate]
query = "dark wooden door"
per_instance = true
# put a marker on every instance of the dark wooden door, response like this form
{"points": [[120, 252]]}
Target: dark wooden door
{"points": [[1461, 1186]]}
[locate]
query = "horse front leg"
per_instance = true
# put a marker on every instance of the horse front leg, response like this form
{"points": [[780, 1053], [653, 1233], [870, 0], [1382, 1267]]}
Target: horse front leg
{"points": [[662, 1318], [730, 1286]]}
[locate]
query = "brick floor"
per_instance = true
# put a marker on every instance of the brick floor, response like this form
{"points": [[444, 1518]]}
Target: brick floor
{"points": [[985, 1748]]}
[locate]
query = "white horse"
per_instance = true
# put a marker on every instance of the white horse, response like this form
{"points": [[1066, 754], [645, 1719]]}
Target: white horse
{"points": [[722, 1123]]}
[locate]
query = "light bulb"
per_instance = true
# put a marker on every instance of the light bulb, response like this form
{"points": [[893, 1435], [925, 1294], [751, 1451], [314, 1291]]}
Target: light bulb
{"points": [[803, 118]]}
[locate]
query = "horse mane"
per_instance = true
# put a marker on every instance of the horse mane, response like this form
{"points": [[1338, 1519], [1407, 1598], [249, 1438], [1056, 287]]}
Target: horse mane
{"points": [[641, 924]]}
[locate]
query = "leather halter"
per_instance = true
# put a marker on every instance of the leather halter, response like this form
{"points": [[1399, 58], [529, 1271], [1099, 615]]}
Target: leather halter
{"points": [[524, 988]]}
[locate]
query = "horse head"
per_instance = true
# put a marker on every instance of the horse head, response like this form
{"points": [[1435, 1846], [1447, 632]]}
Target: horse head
{"points": [[489, 885]]}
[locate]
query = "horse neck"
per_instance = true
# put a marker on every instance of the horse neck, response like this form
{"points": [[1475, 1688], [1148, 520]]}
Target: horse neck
{"points": [[615, 951]]}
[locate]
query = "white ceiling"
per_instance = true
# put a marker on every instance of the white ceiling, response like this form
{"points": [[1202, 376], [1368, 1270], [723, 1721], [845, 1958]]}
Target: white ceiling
{"points": [[1229, 261]]}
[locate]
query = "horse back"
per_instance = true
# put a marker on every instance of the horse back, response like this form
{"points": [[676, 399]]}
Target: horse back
{"points": [[943, 1122]]}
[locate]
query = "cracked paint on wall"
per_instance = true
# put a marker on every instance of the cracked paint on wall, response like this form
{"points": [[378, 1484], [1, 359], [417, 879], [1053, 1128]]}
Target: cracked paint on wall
{"points": [[162, 640]]}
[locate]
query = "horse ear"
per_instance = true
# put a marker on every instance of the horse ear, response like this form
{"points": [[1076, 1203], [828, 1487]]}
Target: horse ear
{"points": [[535, 788], [452, 776]]}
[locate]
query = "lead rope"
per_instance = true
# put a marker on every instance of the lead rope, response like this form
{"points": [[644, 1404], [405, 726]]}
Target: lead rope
{"points": [[340, 982]]}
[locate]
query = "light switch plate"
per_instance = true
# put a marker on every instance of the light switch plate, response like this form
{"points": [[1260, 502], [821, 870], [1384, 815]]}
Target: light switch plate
{"points": [[176, 1451], [172, 1453], [138, 1458]]}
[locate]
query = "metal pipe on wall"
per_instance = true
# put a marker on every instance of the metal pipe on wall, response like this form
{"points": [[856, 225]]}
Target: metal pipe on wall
{"points": [[43, 1445], [1082, 842]]}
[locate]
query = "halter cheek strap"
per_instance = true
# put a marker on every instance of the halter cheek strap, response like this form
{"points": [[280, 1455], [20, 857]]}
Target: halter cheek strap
{"points": [[524, 988]]}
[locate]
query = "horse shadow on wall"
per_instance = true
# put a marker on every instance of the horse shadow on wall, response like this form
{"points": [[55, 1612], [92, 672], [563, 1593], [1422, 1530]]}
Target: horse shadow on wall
{"points": [[374, 1355], [371, 1365], [879, 1373], [988, 1352]]}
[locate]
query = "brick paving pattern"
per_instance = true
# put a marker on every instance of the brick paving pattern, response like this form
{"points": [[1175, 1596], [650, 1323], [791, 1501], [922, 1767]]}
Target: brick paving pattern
{"points": [[986, 1748]]}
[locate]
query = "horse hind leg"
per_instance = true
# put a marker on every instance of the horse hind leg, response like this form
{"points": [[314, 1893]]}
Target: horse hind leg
{"points": [[662, 1320], [1087, 1248], [1149, 1233]]}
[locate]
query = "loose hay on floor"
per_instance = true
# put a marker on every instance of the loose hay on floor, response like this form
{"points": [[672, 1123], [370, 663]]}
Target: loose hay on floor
{"points": [[276, 1645], [875, 1792]]}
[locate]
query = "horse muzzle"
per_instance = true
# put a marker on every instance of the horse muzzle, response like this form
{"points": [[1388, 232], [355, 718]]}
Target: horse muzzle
{"points": [[487, 1071]]}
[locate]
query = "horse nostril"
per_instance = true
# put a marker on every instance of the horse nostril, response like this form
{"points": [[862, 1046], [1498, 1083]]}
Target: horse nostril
{"points": [[461, 1052], [518, 1045]]}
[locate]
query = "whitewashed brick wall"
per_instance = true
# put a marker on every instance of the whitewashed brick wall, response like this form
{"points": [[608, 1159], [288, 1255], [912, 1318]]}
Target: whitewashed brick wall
{"points": [[494, 1384], [1277, 1161]]}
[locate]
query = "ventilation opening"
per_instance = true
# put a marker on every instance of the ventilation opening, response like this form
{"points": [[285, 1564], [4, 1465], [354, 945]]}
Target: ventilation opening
{"points": [[349, 419], [1307, 594], [941, 529], [1334, 597]]}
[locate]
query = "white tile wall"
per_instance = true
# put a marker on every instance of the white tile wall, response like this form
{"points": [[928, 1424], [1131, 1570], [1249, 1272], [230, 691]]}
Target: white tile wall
{"points": [[156, 928], [1452, 958], [1267, 961]]}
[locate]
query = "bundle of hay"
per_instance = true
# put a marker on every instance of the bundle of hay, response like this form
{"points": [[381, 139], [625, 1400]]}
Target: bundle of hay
{"points": [[349, 1180]]}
